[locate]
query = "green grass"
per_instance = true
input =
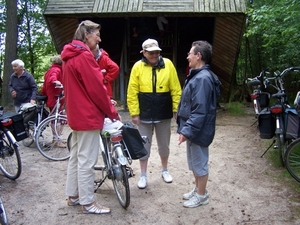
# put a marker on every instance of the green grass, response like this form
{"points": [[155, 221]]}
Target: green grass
{"points": [[280, 173], [236, 108]]}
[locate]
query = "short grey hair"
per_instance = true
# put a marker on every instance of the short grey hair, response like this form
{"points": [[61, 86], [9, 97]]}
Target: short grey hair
{"points": [[57, 59], [18, 62]]}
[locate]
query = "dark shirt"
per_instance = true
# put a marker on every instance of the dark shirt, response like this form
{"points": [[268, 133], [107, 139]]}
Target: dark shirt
{"points": [[25, 87]]}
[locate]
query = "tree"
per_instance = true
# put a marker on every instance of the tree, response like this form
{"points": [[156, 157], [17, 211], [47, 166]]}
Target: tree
{"points": [[27, 38], [271, 40], [10, 48]]}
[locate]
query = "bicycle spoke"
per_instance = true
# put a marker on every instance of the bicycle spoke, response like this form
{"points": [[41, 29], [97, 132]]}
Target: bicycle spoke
{"points": [[292, 159], [10, 160], [51, 138]]}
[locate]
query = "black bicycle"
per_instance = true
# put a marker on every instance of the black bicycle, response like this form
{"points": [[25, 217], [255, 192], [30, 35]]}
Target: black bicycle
{"points": [[259, 97], [278, 110], [12, 130]]}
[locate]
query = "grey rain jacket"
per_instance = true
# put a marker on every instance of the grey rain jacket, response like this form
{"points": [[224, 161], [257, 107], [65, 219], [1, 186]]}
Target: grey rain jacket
{"points": [[196, 116]]}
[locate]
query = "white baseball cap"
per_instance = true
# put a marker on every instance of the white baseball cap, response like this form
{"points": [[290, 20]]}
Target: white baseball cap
{"points": [[150, 45]]}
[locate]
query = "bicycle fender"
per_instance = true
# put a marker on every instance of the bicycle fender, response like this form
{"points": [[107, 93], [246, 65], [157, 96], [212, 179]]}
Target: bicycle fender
{"points": [[121, 158]]}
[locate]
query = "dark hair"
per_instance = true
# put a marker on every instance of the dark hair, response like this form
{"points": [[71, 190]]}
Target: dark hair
{"points": [[205, 50], [85, 26]]}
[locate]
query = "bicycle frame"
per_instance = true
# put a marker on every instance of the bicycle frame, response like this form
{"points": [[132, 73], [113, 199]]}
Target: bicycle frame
{"points": [[257, 93], [116, 159]]}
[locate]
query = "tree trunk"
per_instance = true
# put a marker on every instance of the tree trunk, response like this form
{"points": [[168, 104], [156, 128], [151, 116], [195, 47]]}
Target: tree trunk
{"points": [[10, 49]]}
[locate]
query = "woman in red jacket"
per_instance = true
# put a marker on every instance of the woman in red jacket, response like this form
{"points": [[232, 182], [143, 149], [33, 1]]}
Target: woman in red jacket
{"points": [[109, 68], [52, 79], [87, 104]]}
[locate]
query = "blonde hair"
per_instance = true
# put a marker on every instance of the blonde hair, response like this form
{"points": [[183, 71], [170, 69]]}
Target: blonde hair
{"points": [[85, 26], [57, 60]]}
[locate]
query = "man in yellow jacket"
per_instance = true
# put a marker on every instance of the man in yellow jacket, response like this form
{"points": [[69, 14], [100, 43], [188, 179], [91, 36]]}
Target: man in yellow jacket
{"points": [[152, 97]]}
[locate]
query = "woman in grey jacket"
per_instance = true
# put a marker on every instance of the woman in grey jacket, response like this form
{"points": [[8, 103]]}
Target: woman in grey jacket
{"points": [[196, 119]]}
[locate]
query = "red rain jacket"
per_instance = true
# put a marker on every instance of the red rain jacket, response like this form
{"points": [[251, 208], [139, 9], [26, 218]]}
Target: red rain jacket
{"points": [[87, 101], [111, 68], [54, 73]]}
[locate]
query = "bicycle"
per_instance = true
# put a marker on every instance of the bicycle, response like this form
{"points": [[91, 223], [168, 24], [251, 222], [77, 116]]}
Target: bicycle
{"points": [[292, 154], [50, 133], [33, 114], [259, 97], [278, 111], [11, 130], [116, 160]]}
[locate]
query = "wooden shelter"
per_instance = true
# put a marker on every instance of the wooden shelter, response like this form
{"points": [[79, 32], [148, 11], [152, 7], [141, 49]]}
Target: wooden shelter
{"points": [[220, 22]]}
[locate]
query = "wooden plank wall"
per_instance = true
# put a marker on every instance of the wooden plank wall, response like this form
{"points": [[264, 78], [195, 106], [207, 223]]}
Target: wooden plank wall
{"points": [[117, 6], [153, 6], [168, 6], [62, 30], [69, 6], [226, 45], [219, 6]]}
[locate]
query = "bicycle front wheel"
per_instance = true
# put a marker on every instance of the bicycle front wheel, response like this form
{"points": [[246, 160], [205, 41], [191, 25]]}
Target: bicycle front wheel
{"points": [[51, 138], [120, 182], [10, 160], [292, 159]]}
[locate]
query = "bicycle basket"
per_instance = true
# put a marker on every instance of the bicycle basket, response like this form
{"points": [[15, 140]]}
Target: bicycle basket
{"points": [[17, 127], [292, 121], [266, 124], [28, 111], [133, 141], [264, 99]]}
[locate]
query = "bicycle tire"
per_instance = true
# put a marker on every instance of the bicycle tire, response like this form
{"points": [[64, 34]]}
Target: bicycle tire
{"points": [[27, 142], [10, 160], [120, 182], [51, 137], [292, 159], [3, 216]]}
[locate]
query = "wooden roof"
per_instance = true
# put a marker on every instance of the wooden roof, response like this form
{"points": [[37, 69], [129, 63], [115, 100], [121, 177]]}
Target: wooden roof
{"points": [[144, 6], [62, 18]]}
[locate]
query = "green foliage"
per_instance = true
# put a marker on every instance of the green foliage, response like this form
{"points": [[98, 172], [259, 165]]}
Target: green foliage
{"points": [[34, 40], [273, 37]]}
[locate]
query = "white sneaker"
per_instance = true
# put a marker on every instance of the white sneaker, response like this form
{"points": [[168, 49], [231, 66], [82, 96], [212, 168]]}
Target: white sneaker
{"points": [[196, 201], [190, 194], [142, 182], [167, 177]]}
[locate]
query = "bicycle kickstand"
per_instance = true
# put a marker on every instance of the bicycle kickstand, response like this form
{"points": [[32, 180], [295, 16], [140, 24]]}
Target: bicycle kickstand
{"points": [[268, 148], [254, 123]]}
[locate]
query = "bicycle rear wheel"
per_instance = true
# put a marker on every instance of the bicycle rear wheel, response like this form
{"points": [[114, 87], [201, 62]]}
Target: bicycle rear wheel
{"points": [[3, 216], [51, 138], [120, 182], [10, 160], [292, 159], [30, 139]]}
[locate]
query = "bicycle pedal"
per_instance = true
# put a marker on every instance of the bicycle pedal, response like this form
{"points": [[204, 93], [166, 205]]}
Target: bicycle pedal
{"points": [[99, 167], [275, 146]]}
